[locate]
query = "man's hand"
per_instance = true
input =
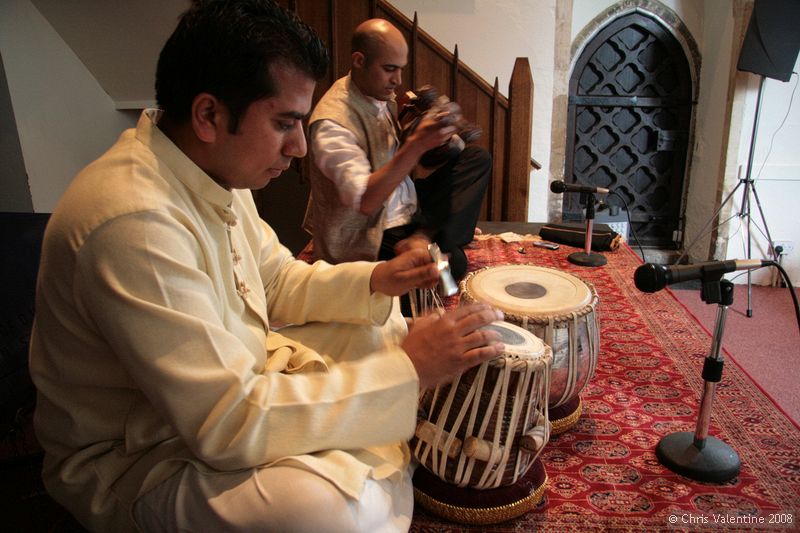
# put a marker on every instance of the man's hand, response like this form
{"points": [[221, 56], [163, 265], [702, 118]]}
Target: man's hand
{"points": [[442, 346], [411, 269], [417, 240], [432, 132]]}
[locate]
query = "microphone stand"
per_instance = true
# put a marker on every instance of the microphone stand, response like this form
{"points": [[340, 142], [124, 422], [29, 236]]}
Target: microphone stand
{"points": [[699, 456], [587, 257]]}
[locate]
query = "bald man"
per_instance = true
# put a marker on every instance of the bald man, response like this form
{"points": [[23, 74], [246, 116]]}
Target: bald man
{"points": [[365, 206]]}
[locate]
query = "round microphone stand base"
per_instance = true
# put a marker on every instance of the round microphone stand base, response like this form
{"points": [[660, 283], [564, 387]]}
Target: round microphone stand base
{"points": [[711, 460], [590, 260]]}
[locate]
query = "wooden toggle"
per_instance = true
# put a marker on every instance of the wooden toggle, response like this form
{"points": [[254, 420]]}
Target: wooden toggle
{"points": [[534, 440], [426, 432], [483, 450]]}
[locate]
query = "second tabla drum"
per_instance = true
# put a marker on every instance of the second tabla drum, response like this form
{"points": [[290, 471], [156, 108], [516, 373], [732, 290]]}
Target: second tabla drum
{"points": [[557, 307]]}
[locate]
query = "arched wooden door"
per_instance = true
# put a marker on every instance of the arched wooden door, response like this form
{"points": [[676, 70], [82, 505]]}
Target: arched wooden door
{"points": [[630, 108]]}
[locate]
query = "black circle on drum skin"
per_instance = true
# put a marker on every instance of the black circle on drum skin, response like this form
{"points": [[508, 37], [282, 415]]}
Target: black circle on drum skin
{"points": [[507, 336], [526, 290]]}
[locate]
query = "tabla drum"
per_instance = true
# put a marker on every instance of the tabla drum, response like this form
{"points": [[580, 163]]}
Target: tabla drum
{"points": [[557, 307], [480, 436]]}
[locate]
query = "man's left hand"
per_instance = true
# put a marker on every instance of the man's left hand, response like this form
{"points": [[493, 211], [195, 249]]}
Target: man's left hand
{"points": [[411, 269]]}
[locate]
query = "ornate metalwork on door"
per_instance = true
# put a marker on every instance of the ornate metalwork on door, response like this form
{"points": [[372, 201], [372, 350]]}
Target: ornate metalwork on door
{"points": [[629, 113]]}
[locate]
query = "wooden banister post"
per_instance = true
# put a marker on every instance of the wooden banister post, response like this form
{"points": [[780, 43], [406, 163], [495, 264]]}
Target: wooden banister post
{"points": [[495, 204], [413, 52], [454, 76], [520, 97]]}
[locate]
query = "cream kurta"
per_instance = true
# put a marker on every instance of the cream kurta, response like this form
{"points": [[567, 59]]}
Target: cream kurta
{"points": [[151, 348]]}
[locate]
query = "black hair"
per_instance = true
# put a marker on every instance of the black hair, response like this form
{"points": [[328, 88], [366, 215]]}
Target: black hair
{"points": [[227, 48]]}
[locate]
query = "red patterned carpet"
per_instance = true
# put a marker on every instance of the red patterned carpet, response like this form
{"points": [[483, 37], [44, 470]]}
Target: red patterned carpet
{"points": [[603, 473]]}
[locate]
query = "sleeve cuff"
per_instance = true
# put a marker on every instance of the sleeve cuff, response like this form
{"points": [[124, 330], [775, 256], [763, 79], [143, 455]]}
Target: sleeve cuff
{"points": [[380, 307]]}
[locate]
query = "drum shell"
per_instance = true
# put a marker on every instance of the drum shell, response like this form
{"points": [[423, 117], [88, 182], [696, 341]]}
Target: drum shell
{"points": [[571, 373], [472, 407]]}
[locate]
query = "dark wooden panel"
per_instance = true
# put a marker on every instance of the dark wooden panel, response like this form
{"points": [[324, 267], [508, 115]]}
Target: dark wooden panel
{"points": [[282, 203], [317, 15], [477, 108], [500, 157], [349, 14], [433, 69]]}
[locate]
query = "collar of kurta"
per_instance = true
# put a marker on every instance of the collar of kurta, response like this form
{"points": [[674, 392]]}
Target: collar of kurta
{"points": [[184, 169], [369, 104]]}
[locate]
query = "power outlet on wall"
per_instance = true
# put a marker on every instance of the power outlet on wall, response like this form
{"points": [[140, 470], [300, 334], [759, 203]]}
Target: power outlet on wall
{"points": [[787, 246]]}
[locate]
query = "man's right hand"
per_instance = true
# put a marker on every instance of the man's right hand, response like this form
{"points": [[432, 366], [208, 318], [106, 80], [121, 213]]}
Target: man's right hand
{"points": [[431, 133], [442, 346], [416, 240]]}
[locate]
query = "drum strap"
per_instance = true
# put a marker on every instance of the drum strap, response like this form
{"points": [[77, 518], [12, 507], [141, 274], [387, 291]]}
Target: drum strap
{"points": [[441, 463], [529, 393], [574, 332], [465, 464], [492, 476], [423, 302], [594, 343]]}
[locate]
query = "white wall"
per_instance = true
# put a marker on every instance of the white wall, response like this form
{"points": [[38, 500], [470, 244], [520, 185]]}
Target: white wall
{"points": [[60, 109], [691, 12], [776, 175], [527, 31], [714, 36]]}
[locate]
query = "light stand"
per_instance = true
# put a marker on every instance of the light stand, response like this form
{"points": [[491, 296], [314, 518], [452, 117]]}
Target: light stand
{"points": [[749, 188], [587, 257], [699, 456]]}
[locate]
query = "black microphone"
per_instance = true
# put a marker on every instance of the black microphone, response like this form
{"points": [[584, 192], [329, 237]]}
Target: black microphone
{"points": [[652, 278], [559, 186]]}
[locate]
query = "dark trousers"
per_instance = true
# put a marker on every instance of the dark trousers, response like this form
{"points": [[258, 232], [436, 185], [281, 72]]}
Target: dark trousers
{"points": [[449, 206]]}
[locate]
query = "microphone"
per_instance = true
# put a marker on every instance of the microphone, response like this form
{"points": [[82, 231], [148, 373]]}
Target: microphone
{"points": [[559, 186], [652, 278]]}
